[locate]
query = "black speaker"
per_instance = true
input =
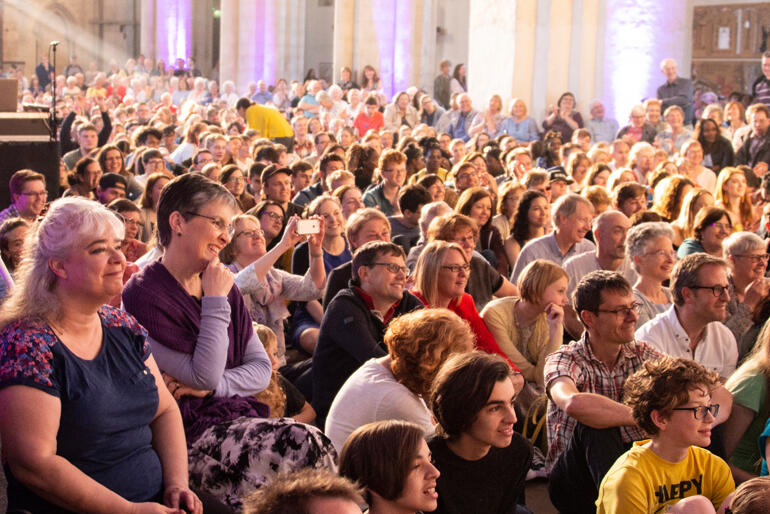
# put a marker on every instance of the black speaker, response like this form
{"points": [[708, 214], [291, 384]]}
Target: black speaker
{"points": [[38, 156]]}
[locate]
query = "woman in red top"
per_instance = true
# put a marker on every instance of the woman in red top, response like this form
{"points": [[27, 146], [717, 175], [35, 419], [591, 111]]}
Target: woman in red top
{"points": [[441, 273]]}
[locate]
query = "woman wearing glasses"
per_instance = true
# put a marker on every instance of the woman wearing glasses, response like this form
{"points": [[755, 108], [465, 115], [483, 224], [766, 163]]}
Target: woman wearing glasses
{"points": [[746, 255], [201, 334], [234, 181], [651, 250], [266, 289], [441, 274]]}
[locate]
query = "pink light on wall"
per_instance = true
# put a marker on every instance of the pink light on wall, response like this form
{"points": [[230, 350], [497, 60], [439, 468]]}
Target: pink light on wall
{"points": [[173, 36], [393, 26], [639, 34]]}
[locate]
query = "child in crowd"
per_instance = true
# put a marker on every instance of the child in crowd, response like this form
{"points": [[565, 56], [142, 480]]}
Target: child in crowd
{"points": [[671, 472], [281, 396]]}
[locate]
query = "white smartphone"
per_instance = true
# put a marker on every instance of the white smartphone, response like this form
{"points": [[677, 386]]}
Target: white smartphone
{"points": [[305, 227]]}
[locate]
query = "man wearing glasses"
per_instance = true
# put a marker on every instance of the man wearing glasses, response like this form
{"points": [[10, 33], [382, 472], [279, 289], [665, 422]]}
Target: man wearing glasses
{"points": [[672, 471], [588, 425], [692, 327], [28, 196], [353, 327]]}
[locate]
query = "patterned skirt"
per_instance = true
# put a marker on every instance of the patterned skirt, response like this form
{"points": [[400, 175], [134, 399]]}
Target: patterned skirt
{"points": [[233, 459]]}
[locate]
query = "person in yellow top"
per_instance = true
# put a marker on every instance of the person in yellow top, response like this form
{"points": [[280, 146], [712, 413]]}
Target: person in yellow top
{"points": [[269, 122], [671, 472]]}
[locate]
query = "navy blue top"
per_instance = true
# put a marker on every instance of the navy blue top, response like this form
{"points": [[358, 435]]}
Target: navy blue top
{"points": [[107, 404]]}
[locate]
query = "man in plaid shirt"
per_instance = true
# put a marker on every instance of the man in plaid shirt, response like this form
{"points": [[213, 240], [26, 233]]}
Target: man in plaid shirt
{"points": [[588, 425], [584, 381]]}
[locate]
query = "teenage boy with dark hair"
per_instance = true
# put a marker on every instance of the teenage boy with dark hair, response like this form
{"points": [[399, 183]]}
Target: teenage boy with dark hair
{"points": [[671, 472], [483, 462]]}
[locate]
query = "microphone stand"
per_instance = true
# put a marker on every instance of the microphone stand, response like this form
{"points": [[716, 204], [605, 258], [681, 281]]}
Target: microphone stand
{"points": [[54, 134]]}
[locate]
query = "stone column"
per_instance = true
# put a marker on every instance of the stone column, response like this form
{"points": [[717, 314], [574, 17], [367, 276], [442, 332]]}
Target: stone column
{"points": [[397, 37], [261, 39], [166, 29], [491, 50]]}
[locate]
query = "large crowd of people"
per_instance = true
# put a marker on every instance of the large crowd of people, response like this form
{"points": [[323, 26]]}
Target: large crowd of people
{"points": [[306, 297]]}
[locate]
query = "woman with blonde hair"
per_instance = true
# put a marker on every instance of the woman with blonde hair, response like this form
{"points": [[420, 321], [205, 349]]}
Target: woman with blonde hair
{"points": [[520, 126], [529, 327], [732, 194], [441, 275], [669, 195], [283, 398], [684, 226], [490, 120], [395, 386]]}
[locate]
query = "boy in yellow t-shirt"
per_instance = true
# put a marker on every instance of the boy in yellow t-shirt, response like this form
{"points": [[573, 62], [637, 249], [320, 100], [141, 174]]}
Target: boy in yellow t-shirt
{"points": [[671, 472]]}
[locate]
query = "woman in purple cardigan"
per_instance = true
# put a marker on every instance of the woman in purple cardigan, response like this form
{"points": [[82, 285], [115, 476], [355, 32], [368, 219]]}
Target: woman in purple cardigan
{"points": [[201, 334]]}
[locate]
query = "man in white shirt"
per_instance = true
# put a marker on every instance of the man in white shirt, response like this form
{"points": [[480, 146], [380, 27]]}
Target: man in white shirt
{"points": [[692, 327]]}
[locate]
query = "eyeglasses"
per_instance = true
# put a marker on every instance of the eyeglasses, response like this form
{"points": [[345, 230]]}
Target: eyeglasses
{"points": [[662, 253], [236, 180], [467, 239], [41, 194], [715, 290], [392, 267], [220, 224], [456, 268], [273, 216], [129, 221], [624, 311], [700, 411], [251, 234], [755, 259]]}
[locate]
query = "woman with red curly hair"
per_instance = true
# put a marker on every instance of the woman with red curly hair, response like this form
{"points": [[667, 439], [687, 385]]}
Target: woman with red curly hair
{"points": [[393, 387]]}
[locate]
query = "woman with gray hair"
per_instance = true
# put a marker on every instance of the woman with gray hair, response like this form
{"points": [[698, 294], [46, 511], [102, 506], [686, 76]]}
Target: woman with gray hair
{"points": [[746, 256], [81, 396], [651, 249]]}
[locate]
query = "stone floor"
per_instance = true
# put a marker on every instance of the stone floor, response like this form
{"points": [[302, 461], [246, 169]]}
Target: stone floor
{"points": [[537, 497]]}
